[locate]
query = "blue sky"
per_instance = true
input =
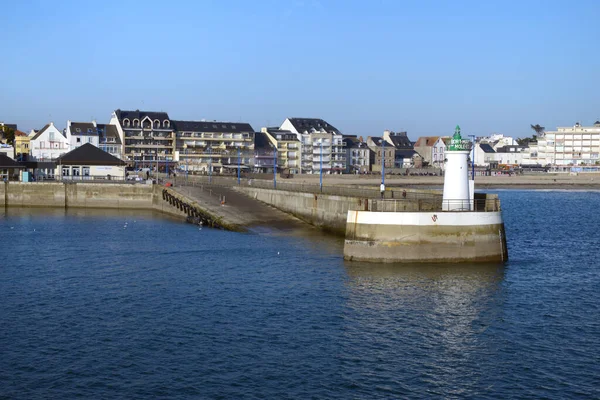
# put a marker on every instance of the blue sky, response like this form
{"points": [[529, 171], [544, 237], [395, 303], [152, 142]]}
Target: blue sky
{"points": [[364, 66]]}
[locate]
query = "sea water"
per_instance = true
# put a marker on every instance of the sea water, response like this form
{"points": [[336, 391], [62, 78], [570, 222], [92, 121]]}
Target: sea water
{"points": [[98, 304]]}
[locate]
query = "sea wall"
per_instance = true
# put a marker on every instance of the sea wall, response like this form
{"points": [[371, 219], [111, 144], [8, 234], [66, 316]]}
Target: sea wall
{"points": [[77, 195], [325, 211], [425, 237]]}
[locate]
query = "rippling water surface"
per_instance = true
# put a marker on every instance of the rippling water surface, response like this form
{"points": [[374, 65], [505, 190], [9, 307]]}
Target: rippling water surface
{"points": [[123, 305]]}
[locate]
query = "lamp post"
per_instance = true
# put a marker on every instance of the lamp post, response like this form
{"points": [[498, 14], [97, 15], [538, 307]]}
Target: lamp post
{"points": [[473, 158], [209, 164], [187, 163], [239, 164], [382, 161], [321, 173], [275, 168]]}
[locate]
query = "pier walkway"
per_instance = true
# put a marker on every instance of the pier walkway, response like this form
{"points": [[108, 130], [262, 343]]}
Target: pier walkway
{"points": [[239, 209]]}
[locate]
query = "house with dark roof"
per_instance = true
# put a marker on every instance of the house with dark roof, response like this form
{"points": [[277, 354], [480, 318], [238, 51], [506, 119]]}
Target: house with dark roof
{"points": [[214, 145], [405, 155], [381, 151], [88, 162], [103, 136], [358, 155], [109, 140], [511, 155], [48, 144], [147, 137], [484, 155], [79, 133], [322, 145], [288, 148], [9, 168]]}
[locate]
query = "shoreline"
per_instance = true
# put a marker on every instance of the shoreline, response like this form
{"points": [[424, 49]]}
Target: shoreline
{"points": [[589, 182]]}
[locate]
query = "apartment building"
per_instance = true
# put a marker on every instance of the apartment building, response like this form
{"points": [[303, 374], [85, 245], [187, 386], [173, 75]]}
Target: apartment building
{"points": [[147, 137], [570, 146], [288, 148], [215, 147], [265, 157], [322, 145]]}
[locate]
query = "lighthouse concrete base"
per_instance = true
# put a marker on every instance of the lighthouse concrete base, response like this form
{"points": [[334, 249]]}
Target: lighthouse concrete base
{"points": [[408, 237]]}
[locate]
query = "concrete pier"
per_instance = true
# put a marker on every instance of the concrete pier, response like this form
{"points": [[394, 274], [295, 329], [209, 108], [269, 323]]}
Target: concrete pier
{"points": [[425, 237]]}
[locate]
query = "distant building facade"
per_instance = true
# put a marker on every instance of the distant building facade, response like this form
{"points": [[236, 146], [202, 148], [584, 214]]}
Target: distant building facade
{"points": [[211, 146], [570, 146], [405, 155], [358, 155], [381, 152], [322, 145], [147, 137], [432, 149], [22, 145], [288, 148], [48, 144]]}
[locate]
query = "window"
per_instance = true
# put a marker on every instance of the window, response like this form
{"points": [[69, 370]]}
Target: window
{"points": [[65, 171], [78, 140], [42, 145], [76, 171], [90, 139], [77, 130], [86, 171], [51, 136]]}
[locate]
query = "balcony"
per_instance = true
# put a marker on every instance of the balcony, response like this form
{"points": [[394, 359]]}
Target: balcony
{"points": [[317, 150]]}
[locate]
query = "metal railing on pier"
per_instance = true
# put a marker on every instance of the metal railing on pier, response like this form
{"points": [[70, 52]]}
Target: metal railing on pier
{"points": [[427, 204]]}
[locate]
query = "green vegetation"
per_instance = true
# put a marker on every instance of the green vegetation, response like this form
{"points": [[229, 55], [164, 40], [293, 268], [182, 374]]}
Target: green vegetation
{"points": [[8, 134]]}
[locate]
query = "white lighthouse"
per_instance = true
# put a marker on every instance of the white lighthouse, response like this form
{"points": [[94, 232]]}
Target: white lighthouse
{"points": [[456, 180]]}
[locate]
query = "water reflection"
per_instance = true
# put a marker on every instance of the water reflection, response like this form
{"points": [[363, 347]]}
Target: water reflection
{"points": [[25, 212], [437, 311]]}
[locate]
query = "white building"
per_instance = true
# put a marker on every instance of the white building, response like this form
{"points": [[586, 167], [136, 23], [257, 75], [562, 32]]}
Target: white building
{"points": [[322, 145], [88, 162], [484, 154], [570, 146], [79, 133], [511, 155], [530, 156], [358, 155], [48, 144], [8, 150], [104, 136]]}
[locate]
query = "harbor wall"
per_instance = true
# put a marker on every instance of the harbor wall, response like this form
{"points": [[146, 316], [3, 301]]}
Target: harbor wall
{"points": [[327, 212], [425, 237], [77, 195]]}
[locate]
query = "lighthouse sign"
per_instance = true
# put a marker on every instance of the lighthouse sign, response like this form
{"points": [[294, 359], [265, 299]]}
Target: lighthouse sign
{"points": [[457, 143]]}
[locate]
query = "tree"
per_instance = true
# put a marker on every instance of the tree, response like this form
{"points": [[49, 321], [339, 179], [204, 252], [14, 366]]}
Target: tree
{"points": [[538, 129], [8, 134], [527, 140]]}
